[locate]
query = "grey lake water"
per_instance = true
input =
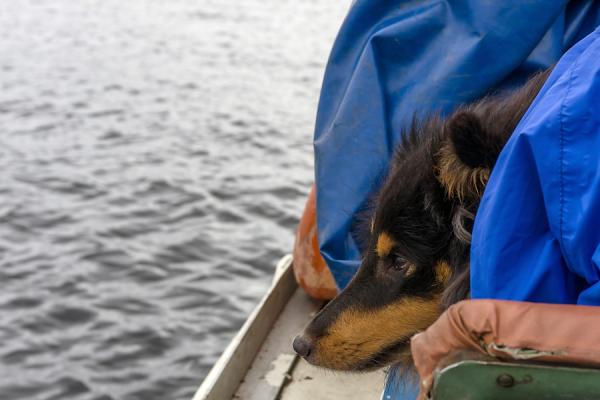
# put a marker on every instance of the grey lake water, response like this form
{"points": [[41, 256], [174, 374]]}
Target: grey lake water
{"points": [[155, 157]]}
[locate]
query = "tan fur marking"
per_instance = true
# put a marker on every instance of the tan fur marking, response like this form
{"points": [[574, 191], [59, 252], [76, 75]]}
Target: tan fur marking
{"points": [[384, 244], [459, 180], [410, 270], [443, 272], [357, 335]]}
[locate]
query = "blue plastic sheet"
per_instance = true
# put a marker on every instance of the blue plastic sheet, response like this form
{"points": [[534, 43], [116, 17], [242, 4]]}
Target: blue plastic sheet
{"points": [[537, 232], [393, 59]]}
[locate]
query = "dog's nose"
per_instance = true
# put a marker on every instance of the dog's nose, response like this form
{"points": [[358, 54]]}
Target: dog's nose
{"points": [[302, 346]]}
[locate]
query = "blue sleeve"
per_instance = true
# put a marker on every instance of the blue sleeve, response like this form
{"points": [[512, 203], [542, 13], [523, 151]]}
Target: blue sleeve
{"points": [[537, 231]]}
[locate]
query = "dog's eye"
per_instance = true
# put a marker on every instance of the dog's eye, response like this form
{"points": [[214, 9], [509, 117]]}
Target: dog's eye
{"points": [[399, 264]]}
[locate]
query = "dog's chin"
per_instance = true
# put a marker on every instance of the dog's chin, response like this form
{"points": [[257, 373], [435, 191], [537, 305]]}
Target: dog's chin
{"points": [[397, 353]]}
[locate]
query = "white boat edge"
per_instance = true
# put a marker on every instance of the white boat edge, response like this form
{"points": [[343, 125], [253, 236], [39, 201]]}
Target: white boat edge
{"points": [[225, 376]]}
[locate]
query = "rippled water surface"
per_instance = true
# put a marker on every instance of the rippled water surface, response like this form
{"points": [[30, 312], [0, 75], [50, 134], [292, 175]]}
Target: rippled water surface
{"points": [[154, 156]]}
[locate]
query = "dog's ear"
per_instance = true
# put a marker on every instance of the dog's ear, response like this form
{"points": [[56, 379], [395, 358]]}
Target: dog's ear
{"points": [[467, 155]]}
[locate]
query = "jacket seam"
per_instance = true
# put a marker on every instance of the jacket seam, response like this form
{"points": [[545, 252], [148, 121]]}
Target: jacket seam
{"points": [[562, 144]]}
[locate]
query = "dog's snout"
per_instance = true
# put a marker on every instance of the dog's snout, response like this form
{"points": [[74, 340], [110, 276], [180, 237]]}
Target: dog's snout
{"points": [[302, 345]]}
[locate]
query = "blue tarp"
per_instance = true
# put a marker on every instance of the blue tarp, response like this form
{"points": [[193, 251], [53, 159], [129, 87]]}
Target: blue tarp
{"points": [[393, 59]]}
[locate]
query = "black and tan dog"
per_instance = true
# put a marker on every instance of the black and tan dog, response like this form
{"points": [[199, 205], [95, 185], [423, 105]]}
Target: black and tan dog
{"points": [[416, 262]]}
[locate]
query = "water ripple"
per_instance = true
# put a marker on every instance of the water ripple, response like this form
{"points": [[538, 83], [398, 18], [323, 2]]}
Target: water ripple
{"points": [[155, 158]]}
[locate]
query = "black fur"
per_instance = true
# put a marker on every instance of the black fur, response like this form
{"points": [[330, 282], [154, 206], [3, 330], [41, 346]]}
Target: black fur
{"points": [[473, 145]]}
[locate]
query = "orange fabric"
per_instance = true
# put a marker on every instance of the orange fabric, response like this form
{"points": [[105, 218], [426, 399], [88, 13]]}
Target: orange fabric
{"points": [[310, 270], [561, 333]]}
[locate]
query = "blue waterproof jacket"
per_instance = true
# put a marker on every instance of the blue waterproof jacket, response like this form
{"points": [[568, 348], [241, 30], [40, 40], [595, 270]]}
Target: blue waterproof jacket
{"points": [[537, 231]]}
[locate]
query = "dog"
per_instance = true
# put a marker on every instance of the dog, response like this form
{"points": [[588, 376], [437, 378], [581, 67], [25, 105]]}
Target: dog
{"points": [[416, 260]]}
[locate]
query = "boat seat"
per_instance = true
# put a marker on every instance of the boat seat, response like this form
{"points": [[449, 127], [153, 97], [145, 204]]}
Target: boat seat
{"points": [[492, 349]]}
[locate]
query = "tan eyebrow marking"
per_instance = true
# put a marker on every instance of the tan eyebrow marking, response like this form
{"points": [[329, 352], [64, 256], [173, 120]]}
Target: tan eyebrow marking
{"points": [[384, 244]]}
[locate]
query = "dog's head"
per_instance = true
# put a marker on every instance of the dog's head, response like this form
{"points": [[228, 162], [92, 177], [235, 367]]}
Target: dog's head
{"points": [[417, 250], [416, 261]]}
